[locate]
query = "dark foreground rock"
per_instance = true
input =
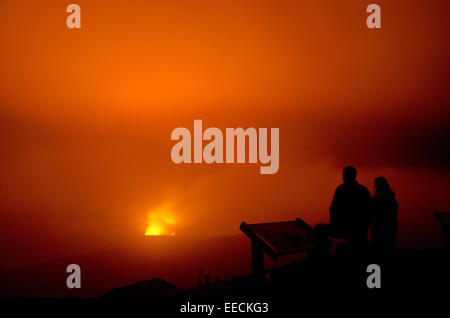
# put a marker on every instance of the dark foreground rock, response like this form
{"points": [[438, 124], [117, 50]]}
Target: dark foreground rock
{"points": [[151, 287], [411, 271]]}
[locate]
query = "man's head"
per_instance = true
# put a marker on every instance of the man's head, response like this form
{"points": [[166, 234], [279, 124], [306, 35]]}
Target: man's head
{"points": [[349, 174]]}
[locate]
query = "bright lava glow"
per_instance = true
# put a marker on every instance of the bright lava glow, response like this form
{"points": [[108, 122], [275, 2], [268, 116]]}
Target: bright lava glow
{"points": [[161, 221]]}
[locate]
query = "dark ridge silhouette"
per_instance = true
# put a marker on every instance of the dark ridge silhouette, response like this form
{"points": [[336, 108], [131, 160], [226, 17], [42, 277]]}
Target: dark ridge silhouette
{"points": [[151, 287], [338, 273]]}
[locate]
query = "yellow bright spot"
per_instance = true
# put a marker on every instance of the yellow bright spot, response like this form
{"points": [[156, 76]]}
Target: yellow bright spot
{"points": [[161, 221]]}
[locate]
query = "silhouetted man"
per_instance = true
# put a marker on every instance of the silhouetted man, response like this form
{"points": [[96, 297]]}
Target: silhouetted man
{"points": [[349, 211]]}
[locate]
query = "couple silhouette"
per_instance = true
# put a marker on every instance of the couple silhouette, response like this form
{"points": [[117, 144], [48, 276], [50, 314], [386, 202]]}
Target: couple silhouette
{"points": [[354, 210]]}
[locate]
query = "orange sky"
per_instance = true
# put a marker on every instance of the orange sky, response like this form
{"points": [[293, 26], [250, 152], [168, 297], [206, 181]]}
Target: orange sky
{"points": [[86, 115]]}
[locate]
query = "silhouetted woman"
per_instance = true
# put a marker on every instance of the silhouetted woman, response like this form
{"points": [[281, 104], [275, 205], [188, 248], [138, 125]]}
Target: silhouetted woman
{"points": [[384, 231]]}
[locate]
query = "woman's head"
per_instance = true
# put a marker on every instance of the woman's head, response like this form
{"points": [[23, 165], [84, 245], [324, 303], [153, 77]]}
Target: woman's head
{"points": [[382, 186]]}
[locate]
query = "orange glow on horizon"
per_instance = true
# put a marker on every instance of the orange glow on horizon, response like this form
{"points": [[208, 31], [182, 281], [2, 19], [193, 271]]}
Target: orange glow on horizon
{"points": [[161, 221]]}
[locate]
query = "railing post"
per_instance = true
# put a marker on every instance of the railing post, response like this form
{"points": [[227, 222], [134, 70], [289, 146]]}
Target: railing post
{"points": [[257, 260]]}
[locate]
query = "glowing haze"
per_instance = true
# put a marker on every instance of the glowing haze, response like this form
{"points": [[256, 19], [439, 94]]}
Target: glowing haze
{"points": [[86, 116]]}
